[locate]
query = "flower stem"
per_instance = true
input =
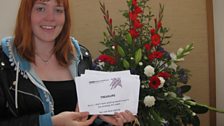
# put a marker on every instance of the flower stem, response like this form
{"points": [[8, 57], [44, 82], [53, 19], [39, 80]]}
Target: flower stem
{"points": [[211, 108]]}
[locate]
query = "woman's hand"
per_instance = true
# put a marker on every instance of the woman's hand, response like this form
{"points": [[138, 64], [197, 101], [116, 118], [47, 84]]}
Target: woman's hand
{"points": [[72, 119], [119, 118]]}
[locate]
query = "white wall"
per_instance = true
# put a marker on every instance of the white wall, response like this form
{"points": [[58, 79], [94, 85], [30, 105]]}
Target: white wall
{"points": [[8, 11], [219, 45]]}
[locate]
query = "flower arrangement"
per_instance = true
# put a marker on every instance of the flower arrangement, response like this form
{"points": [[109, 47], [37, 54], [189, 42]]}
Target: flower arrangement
{"points": [[138, 46]]}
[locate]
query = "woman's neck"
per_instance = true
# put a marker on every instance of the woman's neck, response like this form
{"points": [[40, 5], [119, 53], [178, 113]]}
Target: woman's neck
{"points": [[43, 48]]}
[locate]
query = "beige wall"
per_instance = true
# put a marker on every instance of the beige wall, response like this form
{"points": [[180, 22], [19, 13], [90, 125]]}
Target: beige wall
{"points": [[185, 18], [8, 11]]}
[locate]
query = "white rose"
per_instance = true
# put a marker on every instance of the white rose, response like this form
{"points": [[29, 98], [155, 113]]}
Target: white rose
{"points": [[149, 71], [162, 81], [149, 101]]}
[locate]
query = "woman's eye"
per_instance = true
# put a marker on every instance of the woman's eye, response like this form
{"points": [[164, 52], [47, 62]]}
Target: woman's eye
{"points": [[59, 10], [40, 9]]}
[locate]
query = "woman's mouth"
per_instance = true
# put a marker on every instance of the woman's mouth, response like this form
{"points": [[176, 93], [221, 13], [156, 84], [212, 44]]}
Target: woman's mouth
{"points": [[47, 27]]}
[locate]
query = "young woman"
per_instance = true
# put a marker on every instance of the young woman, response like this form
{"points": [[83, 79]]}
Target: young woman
{"points": [[37, 70]]}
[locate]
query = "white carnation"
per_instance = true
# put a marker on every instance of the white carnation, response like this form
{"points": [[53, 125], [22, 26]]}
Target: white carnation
{"points": [[149, 71], [149, 101], [162, 81]]}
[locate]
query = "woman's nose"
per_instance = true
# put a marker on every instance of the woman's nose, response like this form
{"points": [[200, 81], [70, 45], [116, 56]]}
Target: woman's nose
{"points": [[50, 16]]}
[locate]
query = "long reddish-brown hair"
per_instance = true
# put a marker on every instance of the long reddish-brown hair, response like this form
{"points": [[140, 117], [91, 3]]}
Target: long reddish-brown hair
{"points": [[24, 36]]}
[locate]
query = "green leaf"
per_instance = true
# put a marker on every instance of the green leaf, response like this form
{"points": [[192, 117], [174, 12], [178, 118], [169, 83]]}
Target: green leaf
{"points": [[126, 64], [185, 88], [156, 119], [120, 51], [129, 38], [138, 55], [195, 121], [129, 2], [126, 14], [199, 109]]}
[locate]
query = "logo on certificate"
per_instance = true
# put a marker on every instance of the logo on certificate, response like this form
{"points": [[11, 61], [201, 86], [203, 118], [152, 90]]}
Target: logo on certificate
{"points": [[115, 83]]}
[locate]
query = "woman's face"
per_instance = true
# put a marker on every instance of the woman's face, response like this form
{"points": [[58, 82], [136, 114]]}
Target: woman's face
{"points": [[47, 20]]}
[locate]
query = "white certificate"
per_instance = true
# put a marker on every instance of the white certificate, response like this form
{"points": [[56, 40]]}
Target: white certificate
{"points": [[108, 93]]}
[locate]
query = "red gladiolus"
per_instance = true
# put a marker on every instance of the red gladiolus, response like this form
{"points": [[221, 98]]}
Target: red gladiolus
{"points": [[137, 24], [138, 10], [147, 47], [165, 75], [154, 82], [134, 2], [159, 25], [107, 58], [110, 21], [133, 16], [152, 31], [134, 33], [155, 20], [155, 55], [155, 39]]}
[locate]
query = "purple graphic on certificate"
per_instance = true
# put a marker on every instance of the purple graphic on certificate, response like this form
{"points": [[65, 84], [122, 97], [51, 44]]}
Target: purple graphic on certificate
{"points": [[115, 82]]}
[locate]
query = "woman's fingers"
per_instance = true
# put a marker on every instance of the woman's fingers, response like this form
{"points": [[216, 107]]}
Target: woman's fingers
{"points": [[79, 116], [121, 117], [85, 122], [128, 116], [109, 119], [114, 120], [77, 108]]}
